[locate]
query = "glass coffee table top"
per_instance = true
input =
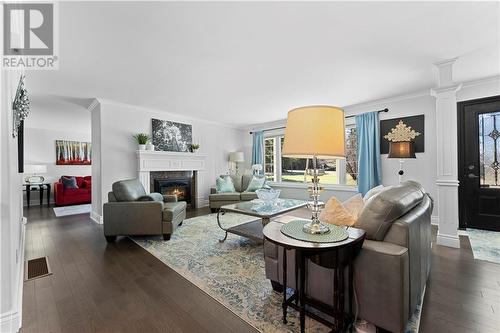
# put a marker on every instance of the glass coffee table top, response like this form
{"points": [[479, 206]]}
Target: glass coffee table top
{"points": [[263, 210]]}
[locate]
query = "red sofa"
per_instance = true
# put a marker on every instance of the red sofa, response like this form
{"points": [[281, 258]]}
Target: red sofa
{"points": [[71, 196]]}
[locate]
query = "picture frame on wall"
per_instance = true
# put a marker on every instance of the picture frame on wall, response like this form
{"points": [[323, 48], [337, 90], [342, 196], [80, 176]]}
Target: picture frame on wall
{"points": [[171, 136], [73, 152], [416, 123]]}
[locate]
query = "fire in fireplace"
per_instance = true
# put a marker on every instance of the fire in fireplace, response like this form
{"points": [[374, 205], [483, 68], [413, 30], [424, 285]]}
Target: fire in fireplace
{"points": [[179, 187]]}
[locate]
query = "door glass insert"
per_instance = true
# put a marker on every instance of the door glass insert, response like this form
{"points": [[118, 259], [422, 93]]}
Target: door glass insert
{"points": [[489, 149]]}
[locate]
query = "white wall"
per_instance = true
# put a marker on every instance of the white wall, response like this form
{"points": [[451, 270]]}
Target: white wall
{"points": [[12, 227], [424, 168], [118, 160], [52, 119]]}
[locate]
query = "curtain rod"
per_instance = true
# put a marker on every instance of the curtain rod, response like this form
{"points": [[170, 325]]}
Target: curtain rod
{"points": [[282, 127]]}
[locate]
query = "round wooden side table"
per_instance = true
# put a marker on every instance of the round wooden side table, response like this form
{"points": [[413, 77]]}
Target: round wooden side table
{"points": [[336, 256]]}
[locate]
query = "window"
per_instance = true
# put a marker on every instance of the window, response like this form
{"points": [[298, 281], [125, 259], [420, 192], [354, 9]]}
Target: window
{"points": [[292, 170], [269, 153]]}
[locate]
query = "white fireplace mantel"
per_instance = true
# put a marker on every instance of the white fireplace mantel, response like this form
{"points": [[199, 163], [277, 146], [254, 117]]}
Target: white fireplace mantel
{"points": [[171, 161]]}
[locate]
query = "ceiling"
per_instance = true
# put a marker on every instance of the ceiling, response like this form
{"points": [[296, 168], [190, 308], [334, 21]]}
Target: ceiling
{"points": [[249, 62]]}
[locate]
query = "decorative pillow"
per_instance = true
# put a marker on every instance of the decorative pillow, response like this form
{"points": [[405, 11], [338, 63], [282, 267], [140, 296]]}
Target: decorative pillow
{"points": [[256, 183], [154, 196], [336, 213], [69, 182], [387, 206], [354, 205], [224, 185], [373, 191]]}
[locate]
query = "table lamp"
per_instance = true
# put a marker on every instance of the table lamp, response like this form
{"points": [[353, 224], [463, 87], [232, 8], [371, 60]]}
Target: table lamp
{"points": [[315, 132], [237, 157], [33, 170], [401, 150]]}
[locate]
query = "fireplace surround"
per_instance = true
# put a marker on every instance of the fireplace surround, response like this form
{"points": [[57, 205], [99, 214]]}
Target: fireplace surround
{"points": [[180, 183], [174, 165]]}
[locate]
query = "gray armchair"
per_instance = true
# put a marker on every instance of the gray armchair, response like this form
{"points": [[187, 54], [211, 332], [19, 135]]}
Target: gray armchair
{"points": [[130, 211], [392, 268]]}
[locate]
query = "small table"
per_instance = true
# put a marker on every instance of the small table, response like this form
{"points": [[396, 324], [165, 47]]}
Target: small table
{"points": [[41, 189], [336, 256], [258, 208]]}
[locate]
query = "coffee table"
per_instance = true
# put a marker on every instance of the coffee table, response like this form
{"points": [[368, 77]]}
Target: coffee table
{"points": [[265, 211]]}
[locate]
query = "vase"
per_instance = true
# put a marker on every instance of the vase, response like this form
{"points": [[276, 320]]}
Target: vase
{"points": [[150, 147], [142, 147]]}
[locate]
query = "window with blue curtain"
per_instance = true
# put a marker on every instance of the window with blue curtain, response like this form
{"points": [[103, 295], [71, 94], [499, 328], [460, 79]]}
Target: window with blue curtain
{"points": [[258, 148], [368, 135]]}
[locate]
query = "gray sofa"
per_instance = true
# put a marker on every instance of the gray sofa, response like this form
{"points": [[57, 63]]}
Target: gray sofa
{"points": [[216, 200], [391, 271], [130, 211]]}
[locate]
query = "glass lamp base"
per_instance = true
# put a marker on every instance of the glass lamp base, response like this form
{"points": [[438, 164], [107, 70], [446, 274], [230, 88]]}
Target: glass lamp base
{"points": [[315, 228]]}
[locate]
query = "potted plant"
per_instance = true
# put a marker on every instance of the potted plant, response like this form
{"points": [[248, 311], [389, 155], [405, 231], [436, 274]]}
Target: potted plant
{"points": [[142, 139], [194, 147]]}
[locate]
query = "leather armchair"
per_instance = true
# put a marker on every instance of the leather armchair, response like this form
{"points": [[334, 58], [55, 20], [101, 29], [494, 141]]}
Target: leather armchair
{"points": [[130, 211], [389, 274]]}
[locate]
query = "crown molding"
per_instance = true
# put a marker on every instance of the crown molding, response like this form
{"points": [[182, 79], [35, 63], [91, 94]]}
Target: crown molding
{"points": [[478, 82], [93, 105], [179, 116]]}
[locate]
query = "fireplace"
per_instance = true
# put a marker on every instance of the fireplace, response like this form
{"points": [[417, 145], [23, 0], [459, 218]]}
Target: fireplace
{"points": [[179, 187], [180, 183]]}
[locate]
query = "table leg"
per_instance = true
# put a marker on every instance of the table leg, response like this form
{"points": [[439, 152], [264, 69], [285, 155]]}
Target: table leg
{"points": [[302, 291], [335, 299], [220, 226], [28, 195], [284, 286], [351, 293], [265, 221], [342, 298], [48, 195], [297, 265], [40, 190]]}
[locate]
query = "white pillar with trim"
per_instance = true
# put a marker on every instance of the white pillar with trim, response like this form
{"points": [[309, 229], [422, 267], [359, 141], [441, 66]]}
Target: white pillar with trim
{"points": [[447, 152]]}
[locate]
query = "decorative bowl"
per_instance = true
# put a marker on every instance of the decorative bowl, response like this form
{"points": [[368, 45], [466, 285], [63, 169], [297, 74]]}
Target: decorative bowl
{"points": [[267, 194]]}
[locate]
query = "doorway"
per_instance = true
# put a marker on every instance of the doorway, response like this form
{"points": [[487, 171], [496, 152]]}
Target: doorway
{"points": [[479, 163]]}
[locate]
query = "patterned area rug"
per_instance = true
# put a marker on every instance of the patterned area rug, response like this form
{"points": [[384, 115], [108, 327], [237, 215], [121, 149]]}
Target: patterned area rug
{"points": [[232, 272], [485, 244], [72, 210]]}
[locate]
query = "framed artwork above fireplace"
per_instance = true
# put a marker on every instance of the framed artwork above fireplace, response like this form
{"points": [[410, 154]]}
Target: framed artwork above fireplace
{"points": [[171, 136]]}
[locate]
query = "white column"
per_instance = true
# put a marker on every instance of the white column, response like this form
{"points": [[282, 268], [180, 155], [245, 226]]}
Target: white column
{"points": [[447, 148]]}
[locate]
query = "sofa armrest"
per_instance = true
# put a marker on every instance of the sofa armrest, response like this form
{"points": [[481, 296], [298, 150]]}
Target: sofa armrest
{"points": [[132, 218], [58, 192], [170, 198], [213, 190], [381, 280]]}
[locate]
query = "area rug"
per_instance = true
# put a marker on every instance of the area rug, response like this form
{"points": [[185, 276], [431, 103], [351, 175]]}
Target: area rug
{"points": [[485, 244], [72, 210], [233, 272]]}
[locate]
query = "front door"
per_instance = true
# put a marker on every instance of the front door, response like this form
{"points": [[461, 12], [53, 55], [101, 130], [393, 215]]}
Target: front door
{"points": [[479, 163]]}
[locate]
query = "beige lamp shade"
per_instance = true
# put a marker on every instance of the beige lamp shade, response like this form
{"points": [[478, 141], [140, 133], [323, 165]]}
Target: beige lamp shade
{"points": [[401, 149], [315, 131], [237, 157]]}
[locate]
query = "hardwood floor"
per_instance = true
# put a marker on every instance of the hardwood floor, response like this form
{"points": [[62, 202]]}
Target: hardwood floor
{"points": [[97, 287]]}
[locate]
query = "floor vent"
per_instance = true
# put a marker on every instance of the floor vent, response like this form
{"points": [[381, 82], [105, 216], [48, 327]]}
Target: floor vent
{"points": [[36, 268]]}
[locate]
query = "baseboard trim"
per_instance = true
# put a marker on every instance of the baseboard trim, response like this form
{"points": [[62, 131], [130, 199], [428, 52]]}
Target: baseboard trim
{"points": [[96, 217], [10, 322], [446, 240]]}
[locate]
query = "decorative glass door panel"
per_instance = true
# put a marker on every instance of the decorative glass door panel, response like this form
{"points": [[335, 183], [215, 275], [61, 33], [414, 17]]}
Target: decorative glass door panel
{"points": [[489, 149]]}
